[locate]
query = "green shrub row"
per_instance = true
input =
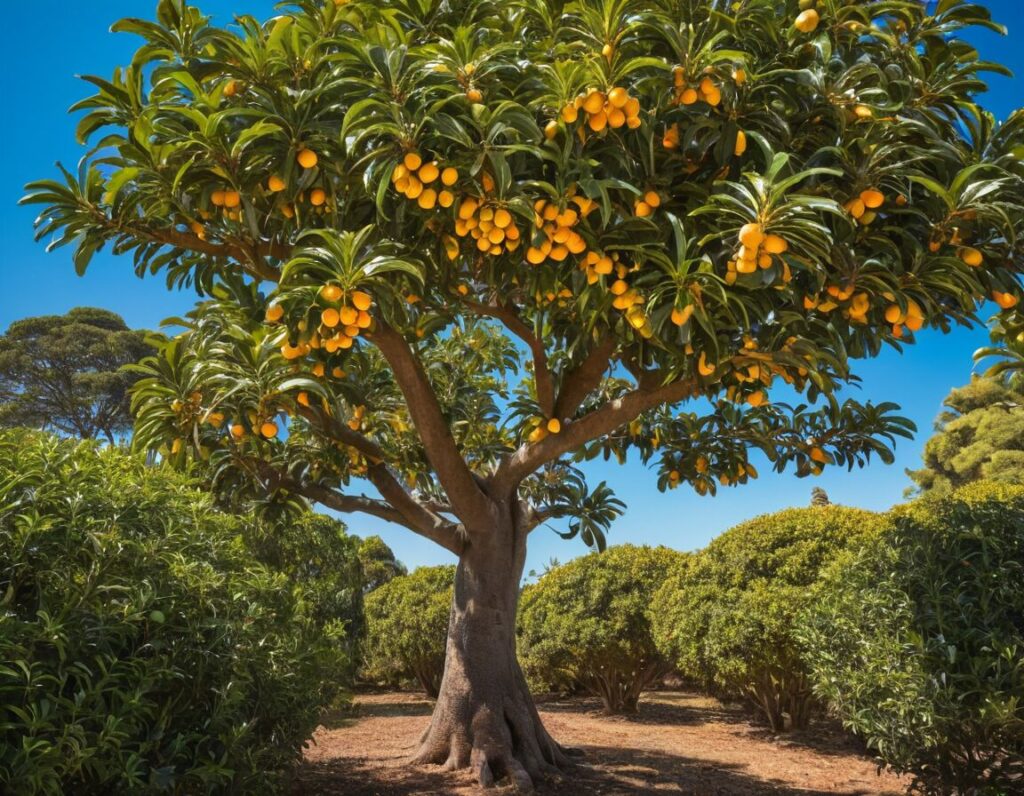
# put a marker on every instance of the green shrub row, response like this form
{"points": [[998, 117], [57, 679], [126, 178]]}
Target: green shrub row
{"points": [[143, 647]]}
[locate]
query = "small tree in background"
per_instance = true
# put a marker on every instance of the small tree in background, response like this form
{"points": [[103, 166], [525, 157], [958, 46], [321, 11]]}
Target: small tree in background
{"points": [[379, 563], [584, 624], [728, 617], [407, 624], [63, 373], [916, 641], [452, 248], [979, 436], [819, 497]]}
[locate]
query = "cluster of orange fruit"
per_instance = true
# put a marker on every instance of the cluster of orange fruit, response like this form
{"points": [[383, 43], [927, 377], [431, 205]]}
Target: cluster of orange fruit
{"points": [[629, 301], [556, 237], [614, 109], [912, 317], [863, 207], [343, 319], [266, 427], [230, 202], [758, 249], [492, 226], [541, 427], [596, 265], [706, 90], [413, 178]]}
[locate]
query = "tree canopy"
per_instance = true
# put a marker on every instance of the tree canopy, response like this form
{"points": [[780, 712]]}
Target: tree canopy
{"points": [[63, 373], [979, 435], [659, 201], [378, 562]]}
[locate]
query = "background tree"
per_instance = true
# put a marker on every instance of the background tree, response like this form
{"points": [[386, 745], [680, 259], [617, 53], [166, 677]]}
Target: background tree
{"points": [[979, 436], [915, 641], [378, 562], [819, 497], [451, 248], [728, 617], [584, 624], [407, 624], [62, 373]]}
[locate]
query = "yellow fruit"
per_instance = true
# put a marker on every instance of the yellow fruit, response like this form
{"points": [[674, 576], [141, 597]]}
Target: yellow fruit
{"points": [[275, 184], [307, 158], [607, 51], [303, 398], [741, 143], [427, 199], [347, 315], [807, 21], [619, 287], [428, 173], [856, 208], [502, 218], [446, 198], [274, 313], [681, 316], [551, 130], [329, 317], [537, 435], [971, 256], [1005, 301], [232, 199], [237, 430], [739, 76], [713, 97], [652, 198], [818, 455], [554, 425], [751, 235], [618, 97], [703, 367], [863, 112], [570, 114], [449, 176], [412, 161], [893, 314], [317, 197], [361, 301], [757, 398], [688, 97], [217, 198], [269, 429], [475, 95], [330, 293], [774, 244], [594, 103], [597, 121], [872, 199], [643, 209]]}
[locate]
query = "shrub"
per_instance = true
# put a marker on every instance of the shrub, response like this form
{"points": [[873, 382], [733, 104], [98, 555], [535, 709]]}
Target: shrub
{"points": [[407, 628], [142, 648], [918, 641], [727, 619], [323, 563], [585, 624]]}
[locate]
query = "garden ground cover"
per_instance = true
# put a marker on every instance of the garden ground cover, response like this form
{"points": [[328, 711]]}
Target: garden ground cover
{"points": [[680, 742]]}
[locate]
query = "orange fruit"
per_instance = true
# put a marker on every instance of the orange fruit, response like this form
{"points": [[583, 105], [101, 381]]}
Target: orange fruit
{"points": [[449, 176], [361, 301], [554, 425], [275, 183], [872, 199], [618, 97], [307, 158], [412, 161], [317, 197], [274, 313], [751, 235], [269, 429], [428, 173], [807, 21], [971, 256], [232, 199]]}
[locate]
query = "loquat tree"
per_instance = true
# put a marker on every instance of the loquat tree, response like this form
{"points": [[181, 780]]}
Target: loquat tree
{"points": [[453, 248]]}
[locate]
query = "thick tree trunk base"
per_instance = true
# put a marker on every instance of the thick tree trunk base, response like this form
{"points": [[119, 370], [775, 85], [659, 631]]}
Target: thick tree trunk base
{"points": [[498, 736], [485, 718]]}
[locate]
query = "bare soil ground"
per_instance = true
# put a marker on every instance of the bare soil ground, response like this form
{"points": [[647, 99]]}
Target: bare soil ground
{"points": [[680, 742]]}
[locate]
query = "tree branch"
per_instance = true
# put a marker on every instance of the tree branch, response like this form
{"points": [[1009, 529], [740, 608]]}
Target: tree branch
{"points": [[577, 384], [398, 505], [529, 457], [517, 326], [457, 480]]}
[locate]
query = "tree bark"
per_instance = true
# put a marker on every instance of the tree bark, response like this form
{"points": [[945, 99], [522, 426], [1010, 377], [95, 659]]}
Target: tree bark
{"points": [[485, 718]]}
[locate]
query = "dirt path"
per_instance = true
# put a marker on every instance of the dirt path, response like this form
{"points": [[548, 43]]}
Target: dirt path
{"points": [[680, 743]]}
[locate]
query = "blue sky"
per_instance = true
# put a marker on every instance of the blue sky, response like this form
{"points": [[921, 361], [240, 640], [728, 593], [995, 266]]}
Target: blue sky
{"points": [[37, 71]]}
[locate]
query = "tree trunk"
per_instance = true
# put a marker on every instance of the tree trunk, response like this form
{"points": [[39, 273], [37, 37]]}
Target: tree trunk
{"points": [[485, 718]]}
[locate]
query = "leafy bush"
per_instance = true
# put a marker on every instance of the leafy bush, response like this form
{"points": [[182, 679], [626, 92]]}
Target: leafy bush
{"points": [[585, 624], [142, 648], [728, 618], [407, 628], [918, 641], [378, 562], [323, 563]]}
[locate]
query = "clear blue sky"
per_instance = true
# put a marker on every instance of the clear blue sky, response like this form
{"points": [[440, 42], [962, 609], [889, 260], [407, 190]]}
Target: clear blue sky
{"points": [[46, 49]]}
